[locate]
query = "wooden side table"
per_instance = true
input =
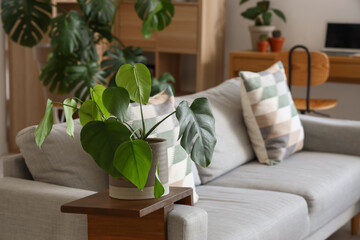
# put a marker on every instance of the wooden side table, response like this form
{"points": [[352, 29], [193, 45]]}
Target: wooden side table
{"points": [[110, 218]]}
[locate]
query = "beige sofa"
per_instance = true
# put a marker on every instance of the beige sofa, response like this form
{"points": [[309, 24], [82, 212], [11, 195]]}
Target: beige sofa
{"points": [[308, 196]]}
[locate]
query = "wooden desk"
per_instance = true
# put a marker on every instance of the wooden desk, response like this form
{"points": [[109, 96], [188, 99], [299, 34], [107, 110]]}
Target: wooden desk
{"points": [[110, 218], [342, 69]]}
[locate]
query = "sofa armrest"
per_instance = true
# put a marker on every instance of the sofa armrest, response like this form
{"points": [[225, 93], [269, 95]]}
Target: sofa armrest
{"points": [[331, 135], [31, 210], [14, 166], [187, 223]]}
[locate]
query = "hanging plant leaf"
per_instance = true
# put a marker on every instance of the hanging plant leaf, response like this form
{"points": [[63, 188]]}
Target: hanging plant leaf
{"points": [[70, 107], [65, 32], [97, 96], [158, 187], [133, 160], [251, 13], [267, 18], [116, 100], [156, 15], [45, 126], [197, 130], [84, 77], [243, 1], [136, 80], [280, 14], [114, 58], [53, 72], [88, 112], [26, 21], [101, 139], [165, 81]]}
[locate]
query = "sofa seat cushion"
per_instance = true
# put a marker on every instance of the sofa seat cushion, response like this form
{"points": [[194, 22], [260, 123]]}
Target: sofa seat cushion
{"points": [[235, 214], [327, 181]]}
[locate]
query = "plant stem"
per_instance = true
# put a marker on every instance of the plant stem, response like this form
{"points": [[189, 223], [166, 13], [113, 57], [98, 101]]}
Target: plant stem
{"points": [[156, 125], [129, 126], [142, 120], [60, 103]]}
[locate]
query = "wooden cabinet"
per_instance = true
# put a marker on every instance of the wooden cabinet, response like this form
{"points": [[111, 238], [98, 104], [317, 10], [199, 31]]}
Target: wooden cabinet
{"points": [[342, 69], [197, 28]]}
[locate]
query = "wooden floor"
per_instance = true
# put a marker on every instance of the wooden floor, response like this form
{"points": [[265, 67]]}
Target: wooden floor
{"points": [[344, 234]]}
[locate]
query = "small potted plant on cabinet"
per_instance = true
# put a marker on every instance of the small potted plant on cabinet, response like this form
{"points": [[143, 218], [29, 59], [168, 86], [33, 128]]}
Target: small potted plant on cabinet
{"points": [[125, 152], [276, 41], [263, 44], [261, 14]]}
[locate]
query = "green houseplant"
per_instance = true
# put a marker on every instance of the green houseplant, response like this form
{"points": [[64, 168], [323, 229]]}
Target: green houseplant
{"points": [[118, 148], [261, 14], [276, 41], [73, 61], [263, 43]]}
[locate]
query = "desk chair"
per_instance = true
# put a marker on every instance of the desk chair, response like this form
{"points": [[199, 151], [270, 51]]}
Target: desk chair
{"points": [[308, 69]]}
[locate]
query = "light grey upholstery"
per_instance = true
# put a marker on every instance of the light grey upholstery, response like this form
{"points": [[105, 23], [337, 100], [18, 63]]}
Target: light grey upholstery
{"points": [[331, 135], [245, 214], [328, 182], [233, 143], [14, 166]]}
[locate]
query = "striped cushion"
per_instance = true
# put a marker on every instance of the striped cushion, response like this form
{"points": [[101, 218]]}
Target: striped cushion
{"points": [[270, 115], [160, 105]]}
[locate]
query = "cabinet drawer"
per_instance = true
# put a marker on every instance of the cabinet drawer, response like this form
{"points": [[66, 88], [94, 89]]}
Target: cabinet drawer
{"points": [[181, 35]]}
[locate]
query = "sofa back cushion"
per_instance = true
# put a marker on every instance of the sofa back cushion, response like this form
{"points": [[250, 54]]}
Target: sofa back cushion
{"points": [[61, 159], [233, 146]]}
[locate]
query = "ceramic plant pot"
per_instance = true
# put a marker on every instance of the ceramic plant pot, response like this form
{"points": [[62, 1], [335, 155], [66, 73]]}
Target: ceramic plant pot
{"points": [[256, 31], [262, 46], [121, 188], [276, 44]]}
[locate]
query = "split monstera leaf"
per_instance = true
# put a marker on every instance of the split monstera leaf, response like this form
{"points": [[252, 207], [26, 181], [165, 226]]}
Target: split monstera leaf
{"points": [[114, 145]]}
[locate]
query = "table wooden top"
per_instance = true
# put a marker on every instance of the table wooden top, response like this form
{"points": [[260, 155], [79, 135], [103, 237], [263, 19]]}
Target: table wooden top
{"points": [[102, 203]]}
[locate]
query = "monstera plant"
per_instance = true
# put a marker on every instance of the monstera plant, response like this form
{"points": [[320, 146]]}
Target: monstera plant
{"points": [[114, 145], [73, 61]]}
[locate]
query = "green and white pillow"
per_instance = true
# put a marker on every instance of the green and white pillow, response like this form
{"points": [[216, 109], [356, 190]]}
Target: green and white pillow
{"points": [[159, 106], [270, 115]]}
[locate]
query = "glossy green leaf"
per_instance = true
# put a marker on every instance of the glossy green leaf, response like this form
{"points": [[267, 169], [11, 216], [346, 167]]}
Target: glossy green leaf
{"points": [[116, 101], [88, 112], [243, 1], [101, 139], [133, 160], [84, 77], [45, 126], [280, 14], [26, 21], [158, 187], [65, 32], [70, 106], [115, 57], [267, 18], [136, 80], [251, 13], [197, 130], [97, 95], [156, 15], [165, 81]]}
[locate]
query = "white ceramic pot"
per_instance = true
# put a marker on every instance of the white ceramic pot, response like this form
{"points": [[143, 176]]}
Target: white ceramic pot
{"points": [[256, 31]]}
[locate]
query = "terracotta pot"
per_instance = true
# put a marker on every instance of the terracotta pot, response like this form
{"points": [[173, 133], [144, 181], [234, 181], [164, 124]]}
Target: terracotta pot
{"points": [[276, 44], [262, 46], [257, 31], [121, 188]]}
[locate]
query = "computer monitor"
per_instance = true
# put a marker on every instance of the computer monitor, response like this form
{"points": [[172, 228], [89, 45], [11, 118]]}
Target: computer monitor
{"points": [[342, 37]]}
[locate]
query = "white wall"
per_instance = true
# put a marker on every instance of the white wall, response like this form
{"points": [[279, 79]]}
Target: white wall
{"points": [[3, 136], [305, 25]]}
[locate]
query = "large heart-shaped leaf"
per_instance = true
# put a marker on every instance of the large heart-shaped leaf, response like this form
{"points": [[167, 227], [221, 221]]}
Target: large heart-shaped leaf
{"points": [[88, 112], [133, 160], [197, 130], [70, 106], [45, 126], [136, 80], [115, 57], [65, 32], [26, 20], [97, 95], [116, 100], [101, 139], [156, 15]]}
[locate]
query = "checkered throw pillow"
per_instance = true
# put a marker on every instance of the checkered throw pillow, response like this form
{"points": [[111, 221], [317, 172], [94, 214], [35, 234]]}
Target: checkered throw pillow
{"points": [[159, 106], [270, 115]]}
